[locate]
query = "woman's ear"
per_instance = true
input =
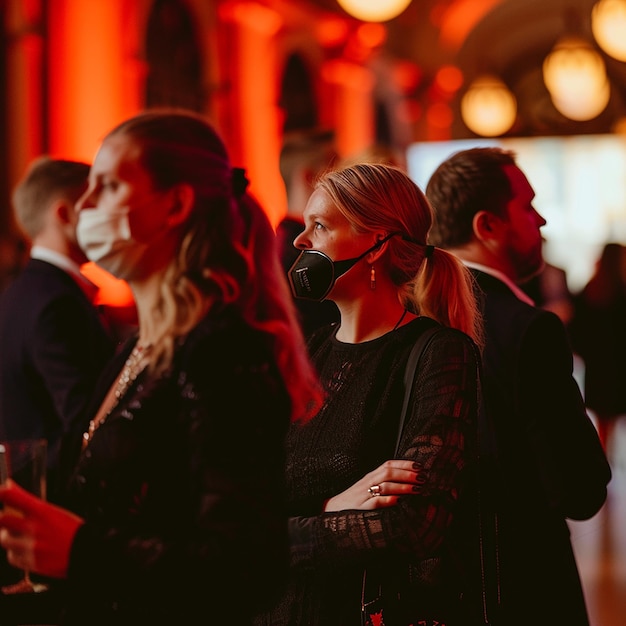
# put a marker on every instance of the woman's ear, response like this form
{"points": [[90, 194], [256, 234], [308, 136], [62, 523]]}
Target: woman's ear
{"points": [[182, 204], [375, 254]]}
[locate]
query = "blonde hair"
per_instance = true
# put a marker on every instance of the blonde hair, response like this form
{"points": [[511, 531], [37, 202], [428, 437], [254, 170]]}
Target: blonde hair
{"points": [[219, 256], [270, 306], [430, 281]]}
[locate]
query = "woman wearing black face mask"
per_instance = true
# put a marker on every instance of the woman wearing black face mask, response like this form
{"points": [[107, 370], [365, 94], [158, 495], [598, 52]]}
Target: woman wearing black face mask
{"points": [[364, 247]]}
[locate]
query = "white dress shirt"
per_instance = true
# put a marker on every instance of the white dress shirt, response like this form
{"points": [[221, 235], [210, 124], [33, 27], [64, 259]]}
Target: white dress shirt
{"points": [[524, 297]]}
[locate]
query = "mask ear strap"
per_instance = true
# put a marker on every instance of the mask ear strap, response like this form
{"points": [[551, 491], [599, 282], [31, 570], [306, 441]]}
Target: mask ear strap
{"points": [[377, 245], [341, 267]]}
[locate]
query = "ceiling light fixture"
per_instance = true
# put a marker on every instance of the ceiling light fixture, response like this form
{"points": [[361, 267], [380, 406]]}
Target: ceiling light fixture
{"points": [[374, 10], [608, 25], [488, 107], [575, 76]]}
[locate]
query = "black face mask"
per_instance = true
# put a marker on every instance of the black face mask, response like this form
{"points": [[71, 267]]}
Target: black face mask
{"points": [[313, 274]]}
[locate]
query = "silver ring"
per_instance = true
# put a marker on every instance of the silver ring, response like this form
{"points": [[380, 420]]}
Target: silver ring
{"points": [[374, 491]]}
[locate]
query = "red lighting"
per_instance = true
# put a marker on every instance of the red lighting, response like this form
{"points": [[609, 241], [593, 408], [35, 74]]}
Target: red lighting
{"points": [[407, 76], [439, 115], [449, 79], [460, 17], [332, 31], [372, 35], [112, 291]]}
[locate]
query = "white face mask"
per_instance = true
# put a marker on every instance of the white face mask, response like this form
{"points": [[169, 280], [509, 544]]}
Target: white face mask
{"points": [[106, 240]]}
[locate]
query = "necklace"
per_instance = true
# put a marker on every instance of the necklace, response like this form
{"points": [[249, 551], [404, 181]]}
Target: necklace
{"points": [[400, 320], [135, 364]]}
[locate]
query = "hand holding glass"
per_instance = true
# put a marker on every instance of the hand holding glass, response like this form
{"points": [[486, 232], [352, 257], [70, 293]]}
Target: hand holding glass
{"points": [[24, 461]]}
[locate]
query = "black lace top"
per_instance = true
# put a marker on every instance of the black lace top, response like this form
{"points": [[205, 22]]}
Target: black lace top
{"points": [[182, 489], [355, 432]]}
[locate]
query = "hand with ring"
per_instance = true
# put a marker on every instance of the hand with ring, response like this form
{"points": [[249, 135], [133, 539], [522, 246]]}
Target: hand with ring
{"points": [[381, 487], [374, 490]]}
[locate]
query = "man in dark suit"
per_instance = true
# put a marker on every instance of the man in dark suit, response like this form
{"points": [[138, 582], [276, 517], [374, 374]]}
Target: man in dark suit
{"points": [[53, 343], [552, 466]]}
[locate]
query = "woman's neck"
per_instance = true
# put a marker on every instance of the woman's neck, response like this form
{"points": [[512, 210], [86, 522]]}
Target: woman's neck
{"points": [[148, 296], [367, 319]]}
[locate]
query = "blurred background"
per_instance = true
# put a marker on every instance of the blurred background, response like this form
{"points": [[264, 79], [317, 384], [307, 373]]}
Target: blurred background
{"points": [[549, 72], [546, 78]]}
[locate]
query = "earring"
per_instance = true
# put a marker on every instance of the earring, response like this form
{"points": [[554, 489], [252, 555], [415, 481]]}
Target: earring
{"points": [[373, 279]]}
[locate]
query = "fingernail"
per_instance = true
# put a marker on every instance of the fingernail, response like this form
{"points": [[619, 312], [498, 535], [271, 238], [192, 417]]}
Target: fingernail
{"points": [[416, 488], [417, 466], [420, 480]]}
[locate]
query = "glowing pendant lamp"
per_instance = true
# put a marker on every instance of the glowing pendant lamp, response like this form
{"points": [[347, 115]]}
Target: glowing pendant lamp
{"points": [[608, 25], [488, 107], [575, 75], [374, 10]]}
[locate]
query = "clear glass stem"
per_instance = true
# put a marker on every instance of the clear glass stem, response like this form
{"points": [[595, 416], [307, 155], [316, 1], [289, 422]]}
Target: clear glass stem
{"points": [[26, 585]]}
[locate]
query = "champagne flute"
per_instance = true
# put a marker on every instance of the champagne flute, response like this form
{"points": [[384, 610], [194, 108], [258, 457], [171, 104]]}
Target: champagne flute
{"points": [[24, 461]]}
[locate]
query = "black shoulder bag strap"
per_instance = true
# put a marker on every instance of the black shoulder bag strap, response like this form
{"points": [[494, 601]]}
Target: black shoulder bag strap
{"points": [[409, 374], [370, 607]]}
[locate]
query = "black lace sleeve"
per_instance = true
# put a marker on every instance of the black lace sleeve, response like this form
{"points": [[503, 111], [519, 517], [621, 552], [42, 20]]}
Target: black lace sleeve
{"points": [[439, 434]]}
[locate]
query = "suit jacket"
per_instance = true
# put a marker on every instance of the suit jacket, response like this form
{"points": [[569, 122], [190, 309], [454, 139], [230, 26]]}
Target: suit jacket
{"points": [[552, 465], [53, 346]]}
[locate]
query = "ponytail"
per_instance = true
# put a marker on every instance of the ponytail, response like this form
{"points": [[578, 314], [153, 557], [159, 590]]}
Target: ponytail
{"points": [[444, 290]]}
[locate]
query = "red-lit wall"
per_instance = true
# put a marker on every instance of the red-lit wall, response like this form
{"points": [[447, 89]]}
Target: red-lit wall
{"points": [[78, 68]]}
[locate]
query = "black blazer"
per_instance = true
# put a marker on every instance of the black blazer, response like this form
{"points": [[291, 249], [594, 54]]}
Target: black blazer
{"points": [[53, 347], [552, 463]]}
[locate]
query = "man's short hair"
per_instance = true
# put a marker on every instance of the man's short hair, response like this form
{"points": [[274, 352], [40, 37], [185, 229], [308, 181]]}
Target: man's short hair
{"points": [[465, 183], [313, 148], [46, 180]]}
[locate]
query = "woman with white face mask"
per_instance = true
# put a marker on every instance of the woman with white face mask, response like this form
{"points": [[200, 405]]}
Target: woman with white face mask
{"points": [[176, 498], [364, 247]]}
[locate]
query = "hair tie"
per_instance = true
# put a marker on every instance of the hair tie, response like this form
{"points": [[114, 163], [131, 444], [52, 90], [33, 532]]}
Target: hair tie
{"points": [[239, 181], [429, 251]]}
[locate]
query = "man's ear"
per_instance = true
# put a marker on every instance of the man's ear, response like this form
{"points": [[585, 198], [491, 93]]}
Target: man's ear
{"points": [[183, 199], [64, 211], [485, 226]]}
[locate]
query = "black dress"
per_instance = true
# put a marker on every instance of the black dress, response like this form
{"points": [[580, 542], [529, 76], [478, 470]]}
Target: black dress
{"points": [[182, 489], [354, 432]]}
